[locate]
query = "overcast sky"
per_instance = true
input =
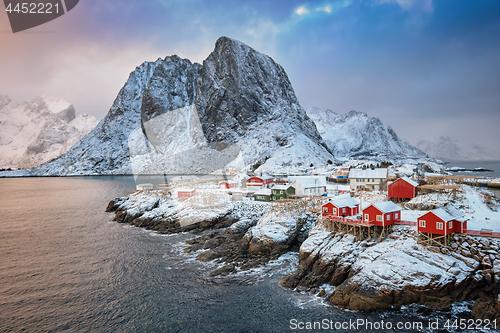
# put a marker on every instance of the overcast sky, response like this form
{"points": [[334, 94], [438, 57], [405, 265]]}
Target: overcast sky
{"points": [[426, 68]]}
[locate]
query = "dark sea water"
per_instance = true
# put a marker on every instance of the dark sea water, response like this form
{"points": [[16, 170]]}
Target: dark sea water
{"points": [[65, 267]]}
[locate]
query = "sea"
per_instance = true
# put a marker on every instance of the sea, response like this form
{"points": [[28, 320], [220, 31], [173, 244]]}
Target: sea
{"points": [[65, 266], [494, 166]]}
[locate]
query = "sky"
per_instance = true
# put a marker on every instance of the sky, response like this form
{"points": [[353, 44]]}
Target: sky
{"points": [[427, 68]]}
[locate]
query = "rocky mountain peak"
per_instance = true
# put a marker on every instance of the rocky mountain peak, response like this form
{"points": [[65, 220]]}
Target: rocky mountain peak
{"points": [[238, 86]]}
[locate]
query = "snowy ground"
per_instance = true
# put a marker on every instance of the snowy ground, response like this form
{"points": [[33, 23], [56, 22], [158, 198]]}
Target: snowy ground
{"points": [[479, 214]]}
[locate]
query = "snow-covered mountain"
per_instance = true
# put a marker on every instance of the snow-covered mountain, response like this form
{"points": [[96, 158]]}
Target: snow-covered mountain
{"points": [[448, 149], [241, 97], [355, 134], [38, 130]]}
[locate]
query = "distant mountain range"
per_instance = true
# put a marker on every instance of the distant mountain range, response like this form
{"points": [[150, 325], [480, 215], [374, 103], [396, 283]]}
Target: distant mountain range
{"points": [[175, 116], [356, 135], [448, 149], [38, 130]]}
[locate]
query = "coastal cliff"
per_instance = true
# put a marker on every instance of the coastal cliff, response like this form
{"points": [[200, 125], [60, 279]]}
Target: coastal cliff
{"points": [[371, 275]]}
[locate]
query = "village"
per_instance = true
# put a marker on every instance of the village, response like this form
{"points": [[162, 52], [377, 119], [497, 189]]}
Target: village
{"points": [[404, 235], [365, 201]]}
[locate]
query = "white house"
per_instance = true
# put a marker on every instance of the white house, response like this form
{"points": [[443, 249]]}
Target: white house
{"points": [[368, 179], [144, 187], [308, 185]]}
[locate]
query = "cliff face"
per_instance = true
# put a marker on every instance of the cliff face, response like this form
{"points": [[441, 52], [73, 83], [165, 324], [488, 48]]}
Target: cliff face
{"points": [[239, 103], [371, 275]]}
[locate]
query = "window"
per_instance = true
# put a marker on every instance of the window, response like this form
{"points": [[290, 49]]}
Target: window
{"points": [[281, 192], [450, 225], [388, 217], [379, 218], [439, 225], [343, 210], [396, 215], [334, 210], [367, 217], [325, 209], [422, 223]]}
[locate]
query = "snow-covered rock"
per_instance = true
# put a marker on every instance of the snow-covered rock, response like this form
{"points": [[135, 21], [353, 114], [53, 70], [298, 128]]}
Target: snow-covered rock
{"points": [[39, 130], [355, 134], [370, 275]]}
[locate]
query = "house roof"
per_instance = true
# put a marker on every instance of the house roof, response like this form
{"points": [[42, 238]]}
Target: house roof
{"points": [[264, 191], [186, 190], [263, 177], [386, 206], [309, 181], [448, 213], [345, 202], [368, 173], [281, 187], [409, 181]]}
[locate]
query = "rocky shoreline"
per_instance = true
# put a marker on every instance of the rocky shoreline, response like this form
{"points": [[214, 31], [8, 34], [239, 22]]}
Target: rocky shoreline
{"points": [[359, 274], [372, 275]]}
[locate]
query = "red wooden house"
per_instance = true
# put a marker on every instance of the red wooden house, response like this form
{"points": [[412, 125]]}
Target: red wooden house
{"points": [[340, 207], [442, 221], [403, 188], [227, 185], [258, 182], [382, 213], [185, 193]]}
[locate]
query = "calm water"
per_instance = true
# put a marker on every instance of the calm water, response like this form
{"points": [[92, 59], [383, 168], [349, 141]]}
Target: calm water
{"points": [[64, 267], [490, 165]]}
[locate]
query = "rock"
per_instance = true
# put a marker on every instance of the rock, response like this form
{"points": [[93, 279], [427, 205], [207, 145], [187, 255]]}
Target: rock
{"points": [[224, 271], [210, 255], [322, 293], [487, 307], [466, 253]]}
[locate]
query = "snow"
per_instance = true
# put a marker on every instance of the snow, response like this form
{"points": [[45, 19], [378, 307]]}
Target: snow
{"points": [[410, 181], [368, 173], [357, 134], [387, 206], [479, 215], [39, 130], [447, 213], [308, 181], [344, 202]]}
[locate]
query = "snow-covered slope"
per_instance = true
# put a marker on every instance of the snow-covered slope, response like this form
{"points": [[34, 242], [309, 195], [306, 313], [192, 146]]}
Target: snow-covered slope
{"points": [[355, 134], [242, 98], [39, 130], [448, 149], [104, 150]]}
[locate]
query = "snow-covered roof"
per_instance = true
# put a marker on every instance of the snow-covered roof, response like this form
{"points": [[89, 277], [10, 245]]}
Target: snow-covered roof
{"points": [[281, 187], [309, 181], [345, 202], [368, 173], [264, 177], [186, 190], [410, 181], [448, 213], [387, 206], [264, 191]]}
